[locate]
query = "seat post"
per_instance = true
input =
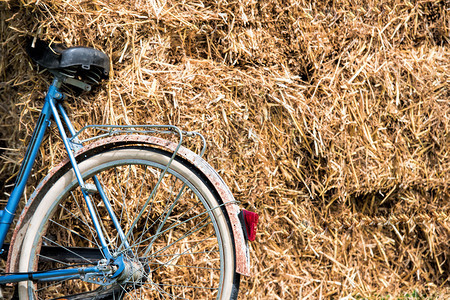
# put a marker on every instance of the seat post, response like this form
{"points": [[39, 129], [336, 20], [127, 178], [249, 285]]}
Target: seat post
{"points": [[57, 80], [54, 89]]}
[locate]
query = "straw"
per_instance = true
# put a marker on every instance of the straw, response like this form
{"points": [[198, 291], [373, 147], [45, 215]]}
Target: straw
{"points": [[330, 119]]}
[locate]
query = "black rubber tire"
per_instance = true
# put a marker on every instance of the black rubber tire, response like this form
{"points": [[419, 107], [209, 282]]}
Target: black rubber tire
{"points": [[120, 166]]}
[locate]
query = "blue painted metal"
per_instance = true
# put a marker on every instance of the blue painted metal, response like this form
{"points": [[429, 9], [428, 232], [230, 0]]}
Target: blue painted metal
{"points": [[65, 118], [72, 273], [60, 274], [74, 142], [7, 214], [120, 263], [80, 180], [111, 213], [49, 110]]}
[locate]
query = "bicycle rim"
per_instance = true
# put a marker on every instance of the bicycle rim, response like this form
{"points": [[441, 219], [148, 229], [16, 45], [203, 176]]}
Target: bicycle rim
{"points": [[181, 244]]}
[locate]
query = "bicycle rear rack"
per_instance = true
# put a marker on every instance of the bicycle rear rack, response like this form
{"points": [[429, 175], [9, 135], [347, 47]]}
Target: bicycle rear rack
{"points": [[104, 131], [96, 132]]}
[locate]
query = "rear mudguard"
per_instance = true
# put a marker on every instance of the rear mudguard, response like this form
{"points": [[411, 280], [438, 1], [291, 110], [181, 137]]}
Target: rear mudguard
{"points": [[240, 242]]}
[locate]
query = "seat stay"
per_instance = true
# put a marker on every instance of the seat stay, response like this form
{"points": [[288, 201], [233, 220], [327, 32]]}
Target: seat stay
{"points": [[75, 145], [68, 145], [74, 142]]}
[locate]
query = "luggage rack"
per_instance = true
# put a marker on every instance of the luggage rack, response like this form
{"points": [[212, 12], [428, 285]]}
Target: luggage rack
{"points": [[104, 131]]}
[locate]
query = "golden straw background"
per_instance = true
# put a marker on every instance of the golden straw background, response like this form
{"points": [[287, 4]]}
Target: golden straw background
{"points": [[330, 119]]}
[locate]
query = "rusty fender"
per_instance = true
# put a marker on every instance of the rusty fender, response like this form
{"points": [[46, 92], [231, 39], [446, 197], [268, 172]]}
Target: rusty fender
{"points": [[241, 246]]}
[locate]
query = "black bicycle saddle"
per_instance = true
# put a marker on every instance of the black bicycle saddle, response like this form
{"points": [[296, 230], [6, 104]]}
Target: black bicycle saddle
{"points": [[80, 63]]}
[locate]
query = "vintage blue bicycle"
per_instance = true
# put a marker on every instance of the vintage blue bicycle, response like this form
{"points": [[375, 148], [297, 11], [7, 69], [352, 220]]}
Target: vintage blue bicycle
{"points": [[130, 214]]}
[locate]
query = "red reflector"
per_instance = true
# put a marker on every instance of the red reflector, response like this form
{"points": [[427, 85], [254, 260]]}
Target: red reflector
{"points": [[251, 220]]}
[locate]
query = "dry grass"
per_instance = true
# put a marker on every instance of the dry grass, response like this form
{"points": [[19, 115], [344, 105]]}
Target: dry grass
{"points": [[331, 119]]}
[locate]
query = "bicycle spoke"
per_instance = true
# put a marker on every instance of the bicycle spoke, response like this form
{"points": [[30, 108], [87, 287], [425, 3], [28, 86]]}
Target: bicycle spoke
{"points": [[170, 228], [183, 266], [124, 193], [162, 292], [161, 224], [122, 203], [91, 230], [186, 286], [179, 239], [146, 202], [84, 221], [137, 207], [186, 221], [171, 221], [166, 213], [149, 210], [72, 231], [66, 249], [189, 253], [186, 251]]}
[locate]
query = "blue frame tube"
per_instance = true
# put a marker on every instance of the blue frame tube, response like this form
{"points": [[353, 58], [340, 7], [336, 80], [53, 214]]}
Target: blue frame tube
{"points": [[52, 274], [111, 213], [49, 110], [96, 181], [66, 119], [75, 168], [7, 214]]}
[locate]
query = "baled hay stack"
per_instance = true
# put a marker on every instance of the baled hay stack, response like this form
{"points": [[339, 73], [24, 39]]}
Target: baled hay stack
{"points": [[329, 118]]}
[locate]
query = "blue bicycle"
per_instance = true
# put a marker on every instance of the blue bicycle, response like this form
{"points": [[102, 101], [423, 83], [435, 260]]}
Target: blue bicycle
{"points": [[130, 214]]}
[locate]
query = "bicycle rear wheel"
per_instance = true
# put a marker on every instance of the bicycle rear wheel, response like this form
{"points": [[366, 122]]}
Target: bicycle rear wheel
{"points": [[181, 242]]}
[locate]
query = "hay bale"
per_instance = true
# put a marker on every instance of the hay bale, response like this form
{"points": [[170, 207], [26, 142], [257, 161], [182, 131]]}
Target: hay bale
{"points": [[331, 119]]}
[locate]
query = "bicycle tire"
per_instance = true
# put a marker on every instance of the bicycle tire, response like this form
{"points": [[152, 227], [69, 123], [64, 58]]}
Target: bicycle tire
{"points": [[181, 262]]}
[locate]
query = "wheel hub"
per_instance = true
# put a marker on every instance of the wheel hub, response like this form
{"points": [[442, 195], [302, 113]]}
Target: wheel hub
{"points": [[133, 272], [121, 270]]}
